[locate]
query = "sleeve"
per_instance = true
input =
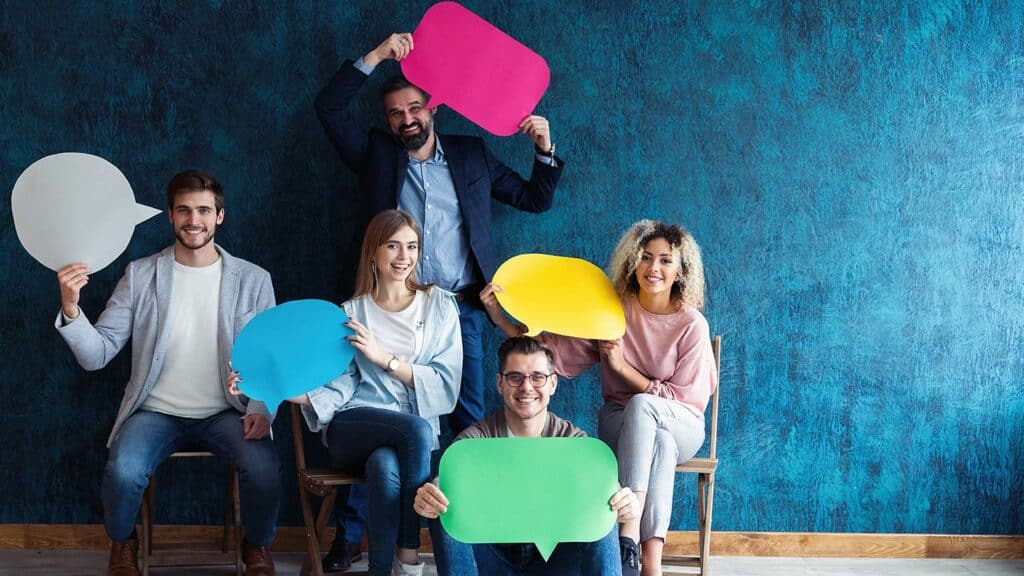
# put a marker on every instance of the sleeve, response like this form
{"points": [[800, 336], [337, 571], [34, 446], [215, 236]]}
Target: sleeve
{"points": [[436, 383], [264, 301], [94, 346], [508, 187], [695, 376], [333, 108], [572, 355], [325, 401]]}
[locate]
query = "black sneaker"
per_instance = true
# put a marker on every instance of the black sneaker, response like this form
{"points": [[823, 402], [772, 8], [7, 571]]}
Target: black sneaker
{"points": [[341, 556], [630, 554]]}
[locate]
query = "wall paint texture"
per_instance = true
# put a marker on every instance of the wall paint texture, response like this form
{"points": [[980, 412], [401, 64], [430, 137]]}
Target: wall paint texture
{"points": [[852, 171]]}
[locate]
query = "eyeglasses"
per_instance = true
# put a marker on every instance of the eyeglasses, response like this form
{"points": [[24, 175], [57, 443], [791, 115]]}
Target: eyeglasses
{"points": [[516, 379]]}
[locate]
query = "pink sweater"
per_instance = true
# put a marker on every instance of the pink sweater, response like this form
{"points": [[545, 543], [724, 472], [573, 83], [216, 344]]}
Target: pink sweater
{"points": [[673, 351]]}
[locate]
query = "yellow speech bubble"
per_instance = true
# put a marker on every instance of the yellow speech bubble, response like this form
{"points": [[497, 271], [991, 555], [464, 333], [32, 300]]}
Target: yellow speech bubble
{"points": [[566, 296]]}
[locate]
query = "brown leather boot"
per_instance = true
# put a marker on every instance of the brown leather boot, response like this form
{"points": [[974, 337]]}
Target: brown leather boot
{"points": [[258, 561], [124, 558]]}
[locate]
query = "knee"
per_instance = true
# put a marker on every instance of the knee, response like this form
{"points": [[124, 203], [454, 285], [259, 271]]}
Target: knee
{"points": [[260, 469], [126, 471], [382, 467], [421, 436], [665, 445], [640, 407]]}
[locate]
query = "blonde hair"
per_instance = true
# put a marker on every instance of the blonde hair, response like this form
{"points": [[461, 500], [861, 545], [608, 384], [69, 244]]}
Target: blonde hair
{"points": [[380, 229], [688, 288]]}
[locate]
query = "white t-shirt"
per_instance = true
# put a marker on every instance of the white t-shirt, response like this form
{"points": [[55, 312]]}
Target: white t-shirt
{"points": [[189, 384], [396, 332]]}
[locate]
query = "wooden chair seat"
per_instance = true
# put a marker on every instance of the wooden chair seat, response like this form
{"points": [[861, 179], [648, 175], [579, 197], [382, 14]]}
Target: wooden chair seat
{"points": [[698, 466]]}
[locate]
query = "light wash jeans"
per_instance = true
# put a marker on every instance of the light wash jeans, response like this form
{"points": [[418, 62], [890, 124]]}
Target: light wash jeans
{"points": [[147, 438], [649, 436], [393, 449]]}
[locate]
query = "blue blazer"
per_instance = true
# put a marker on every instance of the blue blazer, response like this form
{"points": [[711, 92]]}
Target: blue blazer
{"points": [[380, 164]]}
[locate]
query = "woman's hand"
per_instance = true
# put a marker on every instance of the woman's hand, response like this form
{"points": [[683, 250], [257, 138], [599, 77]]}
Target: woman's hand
{"points": [[489, 299], [611, 352], [363, 341], [233, 380]]}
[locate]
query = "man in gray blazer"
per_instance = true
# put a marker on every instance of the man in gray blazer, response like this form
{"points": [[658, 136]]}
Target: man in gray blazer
{"points": [[182, 309]]}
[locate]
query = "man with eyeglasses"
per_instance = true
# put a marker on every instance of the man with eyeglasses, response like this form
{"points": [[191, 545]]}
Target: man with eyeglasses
{"points": [[526, 382]]}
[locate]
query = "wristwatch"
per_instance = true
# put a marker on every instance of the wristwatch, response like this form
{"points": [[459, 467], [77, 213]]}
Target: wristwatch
{"points": [[549, 153], [393, 364]]}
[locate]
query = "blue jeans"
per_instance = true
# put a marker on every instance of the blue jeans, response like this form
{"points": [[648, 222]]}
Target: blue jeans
{"points": [[393, 449], [470, 407], [147, 438], [455, 558], [350, 513]]}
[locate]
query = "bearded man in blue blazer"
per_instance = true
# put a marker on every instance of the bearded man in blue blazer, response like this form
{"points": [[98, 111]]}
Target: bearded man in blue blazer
{"points": [[182, 307], [446, 183]]}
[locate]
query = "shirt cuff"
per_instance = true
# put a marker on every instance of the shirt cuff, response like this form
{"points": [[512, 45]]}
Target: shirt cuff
{"points": [[363, 66], [69, 320], [547, 160]]}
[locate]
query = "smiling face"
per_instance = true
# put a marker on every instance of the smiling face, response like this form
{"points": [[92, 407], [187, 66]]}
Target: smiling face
{"points": [[396, 257], [410, 122], [527, 401], [195, 217], [657, 269]]}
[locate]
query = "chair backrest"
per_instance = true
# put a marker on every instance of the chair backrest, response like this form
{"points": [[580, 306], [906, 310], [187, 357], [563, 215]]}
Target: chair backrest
{"points": [[716, 348]]}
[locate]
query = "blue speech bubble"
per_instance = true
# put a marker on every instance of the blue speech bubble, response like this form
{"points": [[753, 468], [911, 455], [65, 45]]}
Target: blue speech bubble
{"points": [[291, 349]]}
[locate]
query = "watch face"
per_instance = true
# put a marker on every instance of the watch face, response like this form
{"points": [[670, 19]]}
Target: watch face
{"points": [[393, 364]]}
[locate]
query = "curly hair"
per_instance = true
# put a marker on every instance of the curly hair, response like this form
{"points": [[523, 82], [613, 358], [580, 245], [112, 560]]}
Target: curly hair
{"points": [[688, 288]]}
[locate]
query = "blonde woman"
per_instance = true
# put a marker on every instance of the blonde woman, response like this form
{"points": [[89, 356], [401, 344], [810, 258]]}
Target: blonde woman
{"points": [[656, 380], [380, 417]]}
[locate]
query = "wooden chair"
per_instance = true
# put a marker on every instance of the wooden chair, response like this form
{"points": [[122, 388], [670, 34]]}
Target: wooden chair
{"points": [[188, 553], [704, 468], [320, 482]]}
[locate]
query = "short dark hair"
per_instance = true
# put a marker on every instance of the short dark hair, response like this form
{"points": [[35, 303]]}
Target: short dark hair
{"points": [[195, 181], [400, 82], [522, 345]]}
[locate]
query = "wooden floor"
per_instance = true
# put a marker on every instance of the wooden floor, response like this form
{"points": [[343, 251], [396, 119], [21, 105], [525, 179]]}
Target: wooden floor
{"points": [[88, 563]]}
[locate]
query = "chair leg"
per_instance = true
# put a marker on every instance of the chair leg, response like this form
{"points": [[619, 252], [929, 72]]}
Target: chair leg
{"points": [[229, 517], [701, 510], [326, 508], [146, 542], [705, 549], [312, 560], [236, 520]]}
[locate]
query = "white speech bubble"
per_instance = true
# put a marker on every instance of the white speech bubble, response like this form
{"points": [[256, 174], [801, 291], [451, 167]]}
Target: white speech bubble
{"points": [[75, 207]]}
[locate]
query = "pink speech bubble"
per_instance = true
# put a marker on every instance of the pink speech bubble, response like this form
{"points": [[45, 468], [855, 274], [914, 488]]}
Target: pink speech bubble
{"points": [[463, 61]]}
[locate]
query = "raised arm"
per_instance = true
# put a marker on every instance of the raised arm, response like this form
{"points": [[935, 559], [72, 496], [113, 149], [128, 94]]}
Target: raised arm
{"points": [[94, 346]]}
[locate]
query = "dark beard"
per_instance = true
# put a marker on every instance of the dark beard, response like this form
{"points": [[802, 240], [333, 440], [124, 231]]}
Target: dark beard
{"points": [[415, 142]]}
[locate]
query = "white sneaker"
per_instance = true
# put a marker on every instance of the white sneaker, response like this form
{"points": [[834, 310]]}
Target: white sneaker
{"points": [[399, 568]]}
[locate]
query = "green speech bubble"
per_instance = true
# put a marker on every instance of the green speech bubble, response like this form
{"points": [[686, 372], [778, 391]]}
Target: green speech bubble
{"points": [[540, 490]]}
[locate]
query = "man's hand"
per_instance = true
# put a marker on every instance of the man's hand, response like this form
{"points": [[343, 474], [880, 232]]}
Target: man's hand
{"points": [[71, 279], [395, 47], [255, 426], [625, 504], [430, 502], [536, 127]]}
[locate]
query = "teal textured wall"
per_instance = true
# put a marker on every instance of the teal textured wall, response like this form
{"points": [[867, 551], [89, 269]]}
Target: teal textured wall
{"points": [[852, 171]]}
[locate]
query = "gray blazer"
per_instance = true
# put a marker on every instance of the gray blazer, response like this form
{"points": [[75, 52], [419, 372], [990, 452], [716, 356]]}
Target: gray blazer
{"points": [[138, 308]]}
